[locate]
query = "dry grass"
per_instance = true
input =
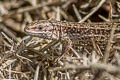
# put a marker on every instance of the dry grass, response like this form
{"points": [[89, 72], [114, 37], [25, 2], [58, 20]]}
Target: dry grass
{"points": [[24, 57]]}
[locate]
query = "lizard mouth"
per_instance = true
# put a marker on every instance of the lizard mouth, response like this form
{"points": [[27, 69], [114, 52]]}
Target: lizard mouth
{"points": [[44, 35]]}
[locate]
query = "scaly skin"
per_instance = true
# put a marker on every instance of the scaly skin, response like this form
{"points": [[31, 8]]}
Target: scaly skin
{"points": [[79, 33]]}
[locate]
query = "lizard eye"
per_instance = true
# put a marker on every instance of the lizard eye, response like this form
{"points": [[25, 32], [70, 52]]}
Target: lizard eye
{"points": [[40, 27]]}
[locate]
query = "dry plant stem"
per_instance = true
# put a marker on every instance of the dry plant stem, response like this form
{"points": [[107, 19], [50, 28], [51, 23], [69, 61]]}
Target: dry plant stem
{"points": [[52, 43], [107, 67], [13, 25], [96, 47], [76, 12], [62, 12], [65, 48], [8, 40], [103, 18], [11, 71], [74, 51], [21, 48], [110, 13], [68, 2], [7, 63], [22, 45], [44, 56], [93, 11], [8, 32], [58, 15], [27, 9], [36, 77], [106, 56], [1, 41]]}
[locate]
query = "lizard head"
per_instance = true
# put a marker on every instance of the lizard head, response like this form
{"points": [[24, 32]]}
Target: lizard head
{"points": [[42, 28]]}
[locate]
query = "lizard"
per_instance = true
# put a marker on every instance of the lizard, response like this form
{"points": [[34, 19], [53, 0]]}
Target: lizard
{"points": [[79, 33]]}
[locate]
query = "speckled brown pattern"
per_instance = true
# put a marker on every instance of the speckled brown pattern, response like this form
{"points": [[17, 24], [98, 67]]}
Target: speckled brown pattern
{"points": [[75, 29], [79, 33]]}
